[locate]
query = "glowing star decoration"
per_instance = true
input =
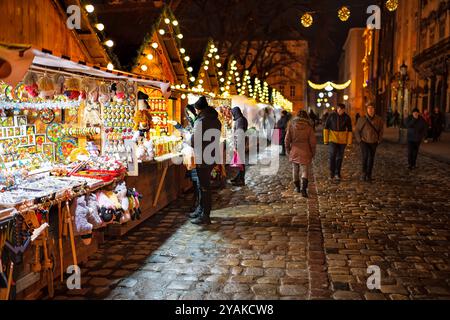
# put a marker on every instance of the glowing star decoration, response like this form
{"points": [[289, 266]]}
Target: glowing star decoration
{"points": [[392, 5], [344, 13], [307, 20]]}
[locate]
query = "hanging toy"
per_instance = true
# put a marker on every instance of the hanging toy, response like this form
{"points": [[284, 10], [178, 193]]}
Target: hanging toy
{"points": [[91, 116], [142, 118], [72, 88], [121, 193], [82, 226], [105, 94], [119, 88], [59, 80], [46, 87], [86, 86], [30, 82]]}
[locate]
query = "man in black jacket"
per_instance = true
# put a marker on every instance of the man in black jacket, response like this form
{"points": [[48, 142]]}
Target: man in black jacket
{"points": [[282, 125], [240, 128], [206, 143], [417, 128]]}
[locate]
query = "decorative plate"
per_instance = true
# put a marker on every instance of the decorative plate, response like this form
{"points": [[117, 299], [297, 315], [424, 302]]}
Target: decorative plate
{"points": [[54, 132], [47, 115], [65, 147]]}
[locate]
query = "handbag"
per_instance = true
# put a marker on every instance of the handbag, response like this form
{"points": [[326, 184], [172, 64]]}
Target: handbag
{"points": [[236, 161]]}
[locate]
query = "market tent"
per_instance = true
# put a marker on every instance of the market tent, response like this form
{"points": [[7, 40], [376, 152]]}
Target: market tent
{"points": [[207, 75]]}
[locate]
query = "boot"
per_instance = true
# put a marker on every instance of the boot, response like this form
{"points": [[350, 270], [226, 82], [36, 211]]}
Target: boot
{"points": [[197, 213], [201, 219], [305, 188], [297, 186]]}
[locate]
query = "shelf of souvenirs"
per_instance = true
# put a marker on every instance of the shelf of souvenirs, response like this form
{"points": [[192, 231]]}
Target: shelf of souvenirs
{"points": [[19, 187], [157, 105]]}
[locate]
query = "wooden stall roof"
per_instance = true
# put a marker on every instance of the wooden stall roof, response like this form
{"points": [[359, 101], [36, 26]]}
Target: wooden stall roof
{"points": [[133, 26], [210, 76], [42, 24]]}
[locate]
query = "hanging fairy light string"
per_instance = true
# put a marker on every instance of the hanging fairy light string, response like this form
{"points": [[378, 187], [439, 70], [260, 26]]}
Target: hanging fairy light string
{"points": [[343, 13], [211, 61]]}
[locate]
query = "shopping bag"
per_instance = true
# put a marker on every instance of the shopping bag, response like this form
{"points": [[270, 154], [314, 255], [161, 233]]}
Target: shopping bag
{"points": [[188, 157], [236, 161]]}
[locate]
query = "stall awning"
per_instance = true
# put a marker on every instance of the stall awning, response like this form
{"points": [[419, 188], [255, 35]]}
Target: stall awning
{"points": [[18, 59]]}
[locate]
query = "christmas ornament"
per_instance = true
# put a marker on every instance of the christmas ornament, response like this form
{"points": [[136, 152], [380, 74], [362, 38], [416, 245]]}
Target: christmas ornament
{"points": [[392, 5], [344, 13], [307, 20]]}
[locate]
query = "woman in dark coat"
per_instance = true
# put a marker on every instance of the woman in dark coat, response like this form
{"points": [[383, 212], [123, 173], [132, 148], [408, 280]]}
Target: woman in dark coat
{"points": [[240, 128], [301, 146]]}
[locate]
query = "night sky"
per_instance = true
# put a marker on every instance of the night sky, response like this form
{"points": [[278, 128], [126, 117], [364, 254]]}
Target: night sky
{"points": [[200, 20]]}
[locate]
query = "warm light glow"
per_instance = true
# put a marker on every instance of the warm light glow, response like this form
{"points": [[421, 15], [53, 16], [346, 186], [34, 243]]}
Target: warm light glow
{"points": [[329, 84], [190, 69], [330, 94], [392, 5], [307, 20], [183, 86], [344, 13], [183, 51], [187, 58], [205, 67], [200, 81], [144, 68], [100, 26], [217, 57], [207, 62], [167, 20], [219, 65], [180, 36], [109, 43], [192, 79], [162, 32], [175, 22], [346, 97], [183, 96], [110, 67], [150, 56], [89, 8], [155, 45]]}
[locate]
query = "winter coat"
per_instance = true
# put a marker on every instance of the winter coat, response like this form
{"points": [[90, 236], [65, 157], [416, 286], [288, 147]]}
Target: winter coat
{"points": [[417, 128], [283, 123], [369, 130], [438, 121], [338, 129], [240, 122], [207, 119], [300, 141]]}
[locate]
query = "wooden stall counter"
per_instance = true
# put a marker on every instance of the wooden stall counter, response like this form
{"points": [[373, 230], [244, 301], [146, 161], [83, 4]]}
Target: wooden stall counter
{"points": [[160, 183]]}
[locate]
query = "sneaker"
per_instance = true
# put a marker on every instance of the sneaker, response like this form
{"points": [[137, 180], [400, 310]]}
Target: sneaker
{"points": [[197, 213]]}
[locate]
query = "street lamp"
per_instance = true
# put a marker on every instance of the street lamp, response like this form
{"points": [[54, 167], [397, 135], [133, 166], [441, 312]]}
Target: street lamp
{"points": [[403, 79]]}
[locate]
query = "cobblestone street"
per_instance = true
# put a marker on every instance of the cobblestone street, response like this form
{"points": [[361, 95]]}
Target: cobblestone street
{"points": [[268, 243]]}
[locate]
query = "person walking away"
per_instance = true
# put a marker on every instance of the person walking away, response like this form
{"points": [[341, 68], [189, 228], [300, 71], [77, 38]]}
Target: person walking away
{"points": [[417, 128], [427, 118], [369, 134], [239, 130], [437, 124], [313, 118], [301, 147], [325, 117], [396, 119], [338, 134], [207, 119], [282, 126]]}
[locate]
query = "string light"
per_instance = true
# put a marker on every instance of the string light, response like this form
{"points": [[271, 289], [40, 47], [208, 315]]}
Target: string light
{"points": [[180, 36], [187, 58], [89, 8], [307, 20], [110, 67], [109, 43], [167, 20], [183, 51], [144, 68], [162, 32], [344, 13], [392, 5], [175, 23], [190, 69], [155, 45], [150, 56], [100, 26]]}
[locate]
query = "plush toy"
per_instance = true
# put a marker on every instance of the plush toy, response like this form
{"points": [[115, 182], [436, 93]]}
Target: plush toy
{"points": [[93, 215], [59, 80], [134, 198], [106, 207], [91, 116], [105, 94], [148, 144], [86, 86], [140, 152], [30, 82], [46, 87], [121, 193], [142, 118], [72, 88], [119, 89], [82, 226]]}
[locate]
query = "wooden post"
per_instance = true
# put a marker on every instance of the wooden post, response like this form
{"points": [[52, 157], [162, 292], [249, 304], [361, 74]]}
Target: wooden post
{"points": [[161, 183]]}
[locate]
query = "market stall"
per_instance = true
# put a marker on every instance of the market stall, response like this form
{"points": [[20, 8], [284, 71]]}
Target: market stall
{"points": [[73, 139]]}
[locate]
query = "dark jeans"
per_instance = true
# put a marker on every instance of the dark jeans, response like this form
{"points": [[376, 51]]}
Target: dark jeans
{"points": [[368, 151], [204, 178], [197, 191], [413, 152], [283, 145], [336, 158]]}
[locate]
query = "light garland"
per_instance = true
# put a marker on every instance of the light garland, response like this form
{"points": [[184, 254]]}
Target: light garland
{"points": [[329, 84], [8, 105]]}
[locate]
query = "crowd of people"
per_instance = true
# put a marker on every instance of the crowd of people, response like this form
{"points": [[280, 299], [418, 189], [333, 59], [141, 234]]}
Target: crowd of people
{"points": [[299, 141]]}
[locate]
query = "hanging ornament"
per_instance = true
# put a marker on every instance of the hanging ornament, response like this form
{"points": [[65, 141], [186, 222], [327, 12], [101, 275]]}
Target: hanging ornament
{"points": [[307, 20], [392, 5], [344, 13]]}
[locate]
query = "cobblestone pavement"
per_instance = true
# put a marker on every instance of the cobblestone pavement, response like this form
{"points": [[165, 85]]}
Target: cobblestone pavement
{"points": [[268, 243]]}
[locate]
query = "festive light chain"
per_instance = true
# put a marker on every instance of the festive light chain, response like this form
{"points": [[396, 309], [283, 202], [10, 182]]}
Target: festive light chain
{"points": [[39, 105]]}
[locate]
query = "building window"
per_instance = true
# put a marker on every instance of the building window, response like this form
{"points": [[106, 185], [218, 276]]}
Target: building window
{"points": [[292, 91], [282, 90]]}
